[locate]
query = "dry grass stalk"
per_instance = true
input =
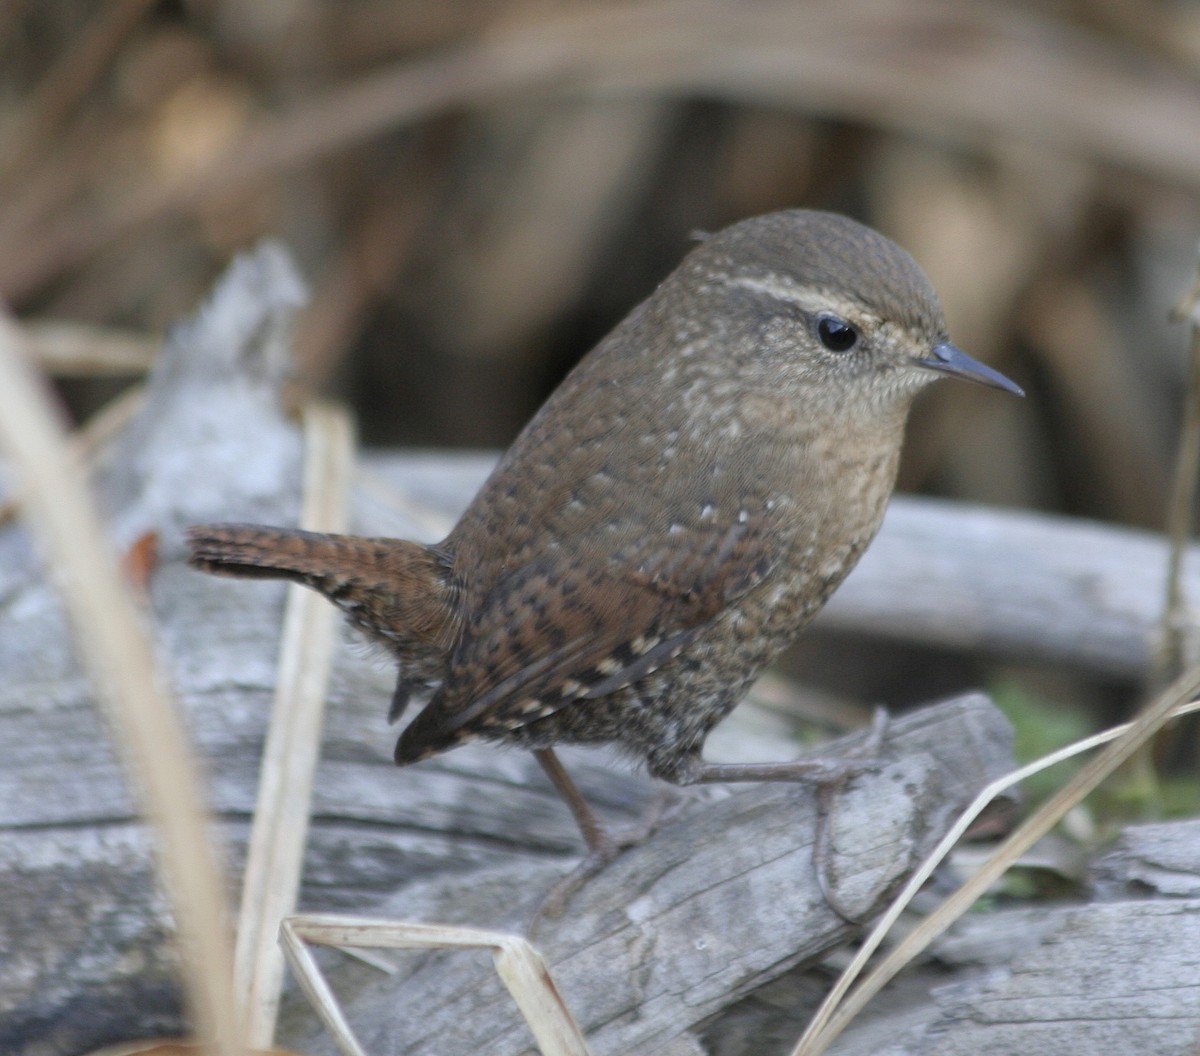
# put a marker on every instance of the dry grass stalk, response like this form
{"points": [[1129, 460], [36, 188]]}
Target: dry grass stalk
{"points": [[833, 1018], [281, 814], [116, 649], [518, 964], [64, 348]]}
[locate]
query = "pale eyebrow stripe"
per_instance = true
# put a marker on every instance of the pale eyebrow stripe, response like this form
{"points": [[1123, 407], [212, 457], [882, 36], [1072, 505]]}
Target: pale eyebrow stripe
{"points": [[806, 298]]}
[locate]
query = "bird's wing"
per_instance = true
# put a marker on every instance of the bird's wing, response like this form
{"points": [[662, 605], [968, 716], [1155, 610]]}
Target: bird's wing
{"points": [[579, 623]]}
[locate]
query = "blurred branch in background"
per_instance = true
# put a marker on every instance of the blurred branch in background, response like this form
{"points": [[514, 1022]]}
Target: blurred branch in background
{"points": [[519, 175], [479, 190]]}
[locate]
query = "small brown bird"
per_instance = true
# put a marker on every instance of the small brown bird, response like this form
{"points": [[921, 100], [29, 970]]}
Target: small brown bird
{"points": [[672, 517]]}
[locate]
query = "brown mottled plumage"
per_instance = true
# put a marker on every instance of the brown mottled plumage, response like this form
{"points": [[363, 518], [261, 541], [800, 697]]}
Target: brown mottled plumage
{"points": [[673, 516]]}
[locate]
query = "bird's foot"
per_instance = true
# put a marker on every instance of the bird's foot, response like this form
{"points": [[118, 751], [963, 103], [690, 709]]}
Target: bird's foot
{"points": [[835, 771], [860, 759], [604, 845], [828, 774]]}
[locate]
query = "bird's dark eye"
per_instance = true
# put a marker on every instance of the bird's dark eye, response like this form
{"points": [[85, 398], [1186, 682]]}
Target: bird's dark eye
{"points": [[836, 334]]}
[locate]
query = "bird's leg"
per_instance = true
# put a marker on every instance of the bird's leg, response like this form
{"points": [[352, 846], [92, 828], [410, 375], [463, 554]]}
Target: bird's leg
{"points": [[820, 771], [599, 841], [603, 844], [828, 774]]}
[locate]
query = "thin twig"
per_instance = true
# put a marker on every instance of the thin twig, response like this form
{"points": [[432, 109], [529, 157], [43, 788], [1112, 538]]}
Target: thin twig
{"points": [[777, 54], [342, 295], [89, 440], [518, 964], [277, 839], [832, 1019], [935, 857], [68, 83], [64, 348]]}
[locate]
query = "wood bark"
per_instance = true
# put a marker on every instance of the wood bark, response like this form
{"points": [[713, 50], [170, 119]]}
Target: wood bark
{"points": [[718, 902], [1114, 971]]}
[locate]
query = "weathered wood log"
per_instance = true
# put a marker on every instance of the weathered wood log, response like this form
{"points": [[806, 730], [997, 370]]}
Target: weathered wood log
{"points": [[1113, 973], [1162, 858], [1109, 976], [718, 902]]}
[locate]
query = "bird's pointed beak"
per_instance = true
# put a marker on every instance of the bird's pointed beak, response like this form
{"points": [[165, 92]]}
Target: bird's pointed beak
{"points": [[947, 359]]}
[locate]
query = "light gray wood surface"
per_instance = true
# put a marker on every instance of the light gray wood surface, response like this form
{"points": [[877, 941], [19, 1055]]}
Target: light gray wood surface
{"points": [[1074, 980], [719, 901]]}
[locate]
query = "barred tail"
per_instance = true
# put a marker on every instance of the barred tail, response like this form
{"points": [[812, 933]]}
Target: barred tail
{"points": [[398, 592], [254, 551]]}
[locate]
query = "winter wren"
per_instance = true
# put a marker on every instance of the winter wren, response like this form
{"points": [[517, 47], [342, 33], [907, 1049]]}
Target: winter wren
{"points": [[672, 517]]}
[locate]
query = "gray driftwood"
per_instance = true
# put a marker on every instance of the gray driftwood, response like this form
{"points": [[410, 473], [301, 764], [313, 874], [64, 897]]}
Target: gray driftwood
{"points": [[1112, 971], [718, 902], [1111, 976], [1159, 859]]}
